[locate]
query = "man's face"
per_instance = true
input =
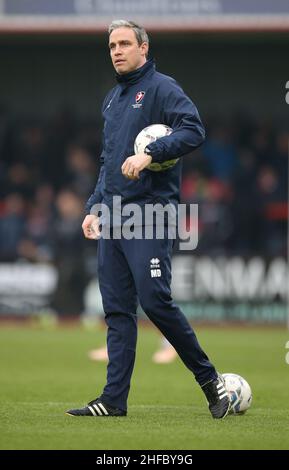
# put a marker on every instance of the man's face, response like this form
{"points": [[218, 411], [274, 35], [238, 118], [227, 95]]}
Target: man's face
{"points": [[125, 52]]}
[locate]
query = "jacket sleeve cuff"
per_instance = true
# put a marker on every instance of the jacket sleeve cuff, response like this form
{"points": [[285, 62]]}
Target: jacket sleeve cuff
{"points": [[156, 152]]}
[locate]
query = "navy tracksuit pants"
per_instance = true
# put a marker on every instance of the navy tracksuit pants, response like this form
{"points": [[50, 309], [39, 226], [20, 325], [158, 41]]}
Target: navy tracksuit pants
{"points": [[141, 268]]}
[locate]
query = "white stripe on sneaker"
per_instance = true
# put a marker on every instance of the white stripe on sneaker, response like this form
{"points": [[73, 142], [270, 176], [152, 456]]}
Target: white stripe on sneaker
{"points": [[92, 410], [221, 390], [220, 385], [97, 409], [103, 409], [224, 395]]}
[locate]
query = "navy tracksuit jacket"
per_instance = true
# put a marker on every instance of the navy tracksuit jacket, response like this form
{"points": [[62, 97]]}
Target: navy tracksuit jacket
{"points": [[127, 268]]}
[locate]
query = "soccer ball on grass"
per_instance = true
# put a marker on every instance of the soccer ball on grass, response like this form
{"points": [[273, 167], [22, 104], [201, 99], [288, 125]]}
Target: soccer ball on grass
{"points": [[239, 392]]}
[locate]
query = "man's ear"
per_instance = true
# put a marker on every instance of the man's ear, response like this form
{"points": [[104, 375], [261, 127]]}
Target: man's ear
{"points": [[145, 48]]}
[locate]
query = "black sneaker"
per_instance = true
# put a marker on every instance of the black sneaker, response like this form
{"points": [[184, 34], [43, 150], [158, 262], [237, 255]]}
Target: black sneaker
{"points": [[96, 408], [218, 397]]}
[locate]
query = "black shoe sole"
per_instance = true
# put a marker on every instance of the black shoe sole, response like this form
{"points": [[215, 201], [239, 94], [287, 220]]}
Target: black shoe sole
{"points": [[91, 416]]}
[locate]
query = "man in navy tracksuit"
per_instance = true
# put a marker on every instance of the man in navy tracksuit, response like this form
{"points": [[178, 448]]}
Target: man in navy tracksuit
{"points": [[142, 97]]}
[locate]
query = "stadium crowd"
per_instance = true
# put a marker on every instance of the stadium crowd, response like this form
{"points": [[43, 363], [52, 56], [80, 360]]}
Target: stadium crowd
{"points": [[239, 179]]}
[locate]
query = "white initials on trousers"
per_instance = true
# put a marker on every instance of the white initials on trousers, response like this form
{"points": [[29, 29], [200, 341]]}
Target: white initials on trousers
{"points": [[156, 273]]}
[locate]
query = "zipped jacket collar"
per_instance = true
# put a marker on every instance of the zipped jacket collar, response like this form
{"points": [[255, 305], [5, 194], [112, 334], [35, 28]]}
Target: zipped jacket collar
{"points": [[136, 75]]}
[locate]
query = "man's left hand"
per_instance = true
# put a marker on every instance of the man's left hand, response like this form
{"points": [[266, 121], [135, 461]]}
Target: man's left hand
{"points": [[132, 166]]}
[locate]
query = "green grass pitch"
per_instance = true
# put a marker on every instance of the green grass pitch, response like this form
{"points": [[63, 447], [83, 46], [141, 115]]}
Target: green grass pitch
{"points": [[45, 372]]}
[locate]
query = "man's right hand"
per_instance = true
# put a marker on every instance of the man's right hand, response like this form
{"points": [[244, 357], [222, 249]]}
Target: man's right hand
{"points": [[90, 227]]}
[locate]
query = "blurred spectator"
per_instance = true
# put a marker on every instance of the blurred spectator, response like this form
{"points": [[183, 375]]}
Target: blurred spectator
{"points": [[220, 153], [36, 243], [30, 147], [281, 156], [44, 197], [61, 132], [68, 246], [12, 226], [19, 180], [273, 213], [245, 212], [80, 170], [262, 142], [215, 219]]}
